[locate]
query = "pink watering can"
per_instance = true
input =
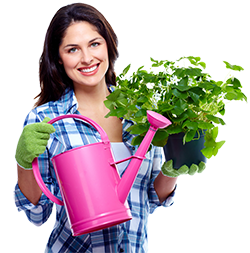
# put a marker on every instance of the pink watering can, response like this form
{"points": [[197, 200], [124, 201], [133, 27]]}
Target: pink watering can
{"points": [[93, 193]]}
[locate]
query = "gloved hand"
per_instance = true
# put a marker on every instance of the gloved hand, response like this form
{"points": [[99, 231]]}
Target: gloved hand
{"points": [[168, 170], [33, 142]]}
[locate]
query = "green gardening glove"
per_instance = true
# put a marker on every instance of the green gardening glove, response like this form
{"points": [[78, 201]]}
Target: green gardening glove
{"points": [[168, 170], [33, 142]]}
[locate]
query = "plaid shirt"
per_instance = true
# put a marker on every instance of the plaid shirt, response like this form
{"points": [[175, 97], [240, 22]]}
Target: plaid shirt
{"points": [[130, 236]]}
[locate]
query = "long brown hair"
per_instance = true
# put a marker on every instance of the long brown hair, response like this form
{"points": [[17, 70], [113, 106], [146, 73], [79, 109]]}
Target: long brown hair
{"points": [[53, 78]]}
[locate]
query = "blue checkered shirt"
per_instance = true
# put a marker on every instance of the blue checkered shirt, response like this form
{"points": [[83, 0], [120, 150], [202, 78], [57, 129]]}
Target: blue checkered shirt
{"points": [[130, 236]]}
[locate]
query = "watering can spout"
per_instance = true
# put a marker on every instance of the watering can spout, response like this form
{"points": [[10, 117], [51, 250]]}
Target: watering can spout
{"points": [[156, 121]]}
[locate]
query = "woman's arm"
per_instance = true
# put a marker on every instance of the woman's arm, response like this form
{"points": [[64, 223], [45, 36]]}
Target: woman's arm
{"points": [[28, 185], [164, 186]]}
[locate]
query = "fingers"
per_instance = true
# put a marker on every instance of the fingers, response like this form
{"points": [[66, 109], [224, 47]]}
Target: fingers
{"points": [[183, 170], [41, 127], [37, 150], [44, 128], [193, 169], [202, 167], [46, 120], [168, 170], [41, 136]]}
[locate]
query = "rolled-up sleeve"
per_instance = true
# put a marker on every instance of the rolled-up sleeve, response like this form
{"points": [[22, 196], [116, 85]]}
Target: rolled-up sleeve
{"points": [[153, 197], [36, 214]]}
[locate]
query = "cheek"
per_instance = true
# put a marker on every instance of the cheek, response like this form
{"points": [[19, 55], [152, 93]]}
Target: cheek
{"points": [[69, 62], [102, 54], [105, 58]]}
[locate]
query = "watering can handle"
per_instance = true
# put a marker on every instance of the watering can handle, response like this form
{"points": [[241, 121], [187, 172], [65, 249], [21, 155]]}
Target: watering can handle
{"points": [[35, 167], [42, 185], [103, 134]]}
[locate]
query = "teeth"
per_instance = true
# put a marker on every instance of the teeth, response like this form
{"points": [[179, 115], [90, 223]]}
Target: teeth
{"points": [[89, 70]]}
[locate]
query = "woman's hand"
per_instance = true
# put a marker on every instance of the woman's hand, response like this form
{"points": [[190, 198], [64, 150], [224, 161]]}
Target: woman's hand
{"points": [[33, 142]]}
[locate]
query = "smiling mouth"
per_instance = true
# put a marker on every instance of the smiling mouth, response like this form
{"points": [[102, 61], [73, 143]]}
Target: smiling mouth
{"points": [[89, 70]]}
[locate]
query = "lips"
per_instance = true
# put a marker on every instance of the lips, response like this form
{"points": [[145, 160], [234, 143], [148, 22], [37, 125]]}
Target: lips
{"points": [[88, 71]]}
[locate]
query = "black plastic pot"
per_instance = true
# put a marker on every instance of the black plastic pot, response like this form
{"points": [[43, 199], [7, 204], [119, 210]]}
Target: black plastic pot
{"points": [[187, 154]]}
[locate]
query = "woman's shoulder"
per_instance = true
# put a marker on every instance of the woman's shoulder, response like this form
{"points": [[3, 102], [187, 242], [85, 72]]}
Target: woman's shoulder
{"points": [[66, 104], [37, 114]]}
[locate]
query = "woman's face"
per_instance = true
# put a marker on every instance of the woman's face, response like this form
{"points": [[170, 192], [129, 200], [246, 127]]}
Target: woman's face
{"points": [[84, 55]]}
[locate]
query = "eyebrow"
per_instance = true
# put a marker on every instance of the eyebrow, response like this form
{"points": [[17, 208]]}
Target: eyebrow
{"points": [[74, 45]]}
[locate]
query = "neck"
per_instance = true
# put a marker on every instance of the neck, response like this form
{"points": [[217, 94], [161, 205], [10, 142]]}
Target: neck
{"points": [[91, 98]]}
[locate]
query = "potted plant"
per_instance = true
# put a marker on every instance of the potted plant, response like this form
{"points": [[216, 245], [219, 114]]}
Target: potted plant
{"points": [[187, 96]]}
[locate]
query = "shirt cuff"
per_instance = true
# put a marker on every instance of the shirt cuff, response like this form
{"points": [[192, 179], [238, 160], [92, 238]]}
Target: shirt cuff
{"points": [[155, 202], [170, 199], [23, 204]]}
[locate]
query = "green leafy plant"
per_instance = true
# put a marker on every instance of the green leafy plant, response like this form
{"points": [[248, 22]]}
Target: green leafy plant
{"points": [[185, 95]]}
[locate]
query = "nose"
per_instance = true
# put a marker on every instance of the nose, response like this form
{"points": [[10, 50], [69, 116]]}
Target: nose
{"points": [[86, 57]]}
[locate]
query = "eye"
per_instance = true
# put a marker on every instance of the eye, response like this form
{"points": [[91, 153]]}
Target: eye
{"points": [[95, 44], [72, 50]]}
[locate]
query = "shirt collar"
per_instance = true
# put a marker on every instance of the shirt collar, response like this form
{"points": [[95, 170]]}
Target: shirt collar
{"points": [[68, 102]]}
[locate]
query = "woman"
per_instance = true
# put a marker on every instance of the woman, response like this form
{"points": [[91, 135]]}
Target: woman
{"points": [[76, 73]]}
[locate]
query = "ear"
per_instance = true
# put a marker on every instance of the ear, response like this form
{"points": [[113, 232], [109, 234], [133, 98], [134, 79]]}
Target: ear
{"points": [[60, 61]]}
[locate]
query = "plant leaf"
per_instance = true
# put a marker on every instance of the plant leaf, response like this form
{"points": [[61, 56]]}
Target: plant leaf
{"points": [[142, 99], [193, 72], [215, 119], [220, 144], [172, 129], [182, 95], [180, 107], [114, 95], [183, 88], [190, 125], [216, 91], [228, 65], [138, 129], [215, 132], [137, 140], [203, 64], [209, 139], [160, 138], [204, 125], [109, 104], [141, 113], [189, 136], [161, 134], [231, 95], [217, 147], [118, 112], [206, 85], [125, 71], [207, 152], [191, 114], [233, 67], [122, 101], [179, 73], [182, 84], [235, 82], [195, 97]]}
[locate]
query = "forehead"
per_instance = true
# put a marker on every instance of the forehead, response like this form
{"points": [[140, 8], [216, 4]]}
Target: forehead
{"points": [[79, 32]]}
